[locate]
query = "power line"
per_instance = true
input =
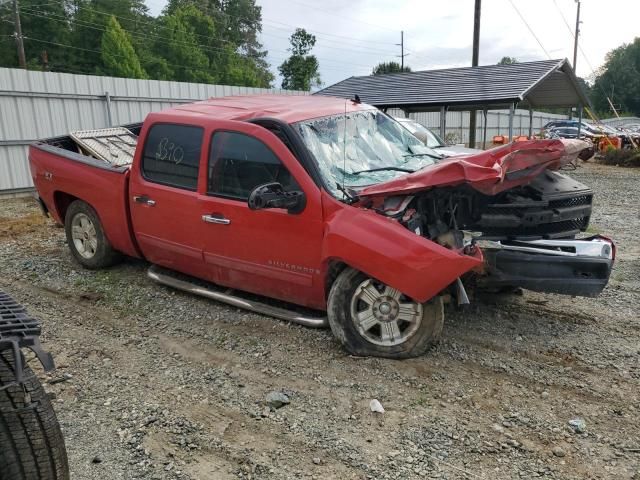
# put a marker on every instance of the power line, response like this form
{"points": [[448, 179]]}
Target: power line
{"points": [[343, 17], [156, 37], [257, 25], [584, 55], [530, 29], [88, 24]]}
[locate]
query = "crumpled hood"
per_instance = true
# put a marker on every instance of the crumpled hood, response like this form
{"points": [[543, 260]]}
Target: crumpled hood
{"points": [[489, 172]]}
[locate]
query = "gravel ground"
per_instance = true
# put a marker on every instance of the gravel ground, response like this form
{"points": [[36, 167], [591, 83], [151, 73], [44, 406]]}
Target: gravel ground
{"points": [[164, 385]]}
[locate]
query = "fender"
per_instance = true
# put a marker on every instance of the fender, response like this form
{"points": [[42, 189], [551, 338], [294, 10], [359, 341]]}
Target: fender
{"points": [[387, 251]]}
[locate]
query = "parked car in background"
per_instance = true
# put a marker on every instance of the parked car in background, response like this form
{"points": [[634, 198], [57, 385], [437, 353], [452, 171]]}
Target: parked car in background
{"points": [[594, 131], [326, 204], [570, 132], [432, 140]]}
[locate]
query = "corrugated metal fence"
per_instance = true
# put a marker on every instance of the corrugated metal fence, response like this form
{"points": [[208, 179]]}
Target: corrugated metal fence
{"points": [[457, 126], [35, 105], [621, 122]]}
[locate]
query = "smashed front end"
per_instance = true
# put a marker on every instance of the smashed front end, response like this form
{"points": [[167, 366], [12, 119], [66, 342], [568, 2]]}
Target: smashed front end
{"points": [[512, 203]]}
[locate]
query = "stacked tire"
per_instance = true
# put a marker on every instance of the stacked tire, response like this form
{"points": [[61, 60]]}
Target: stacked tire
{"points": [[31, 443]]}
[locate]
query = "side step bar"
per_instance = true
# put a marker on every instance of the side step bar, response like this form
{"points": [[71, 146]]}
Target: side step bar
{"points": [[156, 275]]}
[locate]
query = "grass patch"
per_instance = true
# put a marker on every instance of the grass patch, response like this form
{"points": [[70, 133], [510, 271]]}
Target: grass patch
{"points": [[621, 158], [15, 227]]}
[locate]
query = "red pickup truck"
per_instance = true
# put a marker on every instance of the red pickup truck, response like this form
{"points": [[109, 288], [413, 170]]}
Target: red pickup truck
{"points": [[326, 204]]}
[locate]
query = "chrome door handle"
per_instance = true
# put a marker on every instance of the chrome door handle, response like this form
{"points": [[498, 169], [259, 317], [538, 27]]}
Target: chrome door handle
{"points": [[213, 219], [144, 199]]}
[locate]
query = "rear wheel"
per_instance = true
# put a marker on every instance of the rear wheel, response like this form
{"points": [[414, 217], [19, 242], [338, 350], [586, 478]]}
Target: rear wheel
{"points": [[86, 238], [373, 319], [31, 443]]}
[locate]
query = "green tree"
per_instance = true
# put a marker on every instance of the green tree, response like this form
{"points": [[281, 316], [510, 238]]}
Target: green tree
{"points": [[234, 52], [46, 30], [508, 61], [192, 40], [185, 58], [389, 67], [300, 70], [89, 22], [118, 56], [619, 80]]}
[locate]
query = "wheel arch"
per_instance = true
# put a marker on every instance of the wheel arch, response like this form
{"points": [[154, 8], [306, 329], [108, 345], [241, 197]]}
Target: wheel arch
{"points": [[61, 202], [386, 251]]}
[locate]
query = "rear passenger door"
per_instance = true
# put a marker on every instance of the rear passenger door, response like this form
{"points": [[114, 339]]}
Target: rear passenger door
{"points": [[270, 252], [163, 197]]}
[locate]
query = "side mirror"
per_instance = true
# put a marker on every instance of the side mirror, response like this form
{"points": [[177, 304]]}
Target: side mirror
{"points": [[272, 195]]}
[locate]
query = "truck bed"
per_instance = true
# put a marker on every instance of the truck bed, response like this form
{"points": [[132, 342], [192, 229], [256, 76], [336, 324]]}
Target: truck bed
{"points": [[62, 175], [79, 148]]}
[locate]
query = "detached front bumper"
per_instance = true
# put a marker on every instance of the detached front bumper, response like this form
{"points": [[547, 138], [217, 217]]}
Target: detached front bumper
{"points": [[568, 267]]}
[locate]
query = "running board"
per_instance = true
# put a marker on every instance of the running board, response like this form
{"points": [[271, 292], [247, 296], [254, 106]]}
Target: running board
{"points": [[156, 275]]}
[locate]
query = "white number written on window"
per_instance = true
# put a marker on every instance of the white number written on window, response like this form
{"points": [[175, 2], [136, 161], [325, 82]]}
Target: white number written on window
{"points": [[169, 152]]}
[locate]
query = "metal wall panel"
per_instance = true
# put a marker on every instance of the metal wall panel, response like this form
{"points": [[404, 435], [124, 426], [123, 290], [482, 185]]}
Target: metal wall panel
{"points": [[36, 105], [457, 130]]}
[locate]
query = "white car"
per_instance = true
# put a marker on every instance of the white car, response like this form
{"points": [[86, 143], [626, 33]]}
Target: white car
{"points": [[433, 140]]}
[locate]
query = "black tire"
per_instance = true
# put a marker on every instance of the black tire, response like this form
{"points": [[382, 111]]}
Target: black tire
{"points": [[105, 255], [31, 443], [344, 329]]}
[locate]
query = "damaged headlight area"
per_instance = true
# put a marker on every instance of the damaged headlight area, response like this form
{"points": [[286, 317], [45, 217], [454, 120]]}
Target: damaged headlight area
{"points": [[527, 234]]}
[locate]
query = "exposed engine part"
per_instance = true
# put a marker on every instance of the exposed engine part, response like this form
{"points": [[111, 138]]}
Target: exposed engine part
{"points": [[552, 206], [461, 293]]}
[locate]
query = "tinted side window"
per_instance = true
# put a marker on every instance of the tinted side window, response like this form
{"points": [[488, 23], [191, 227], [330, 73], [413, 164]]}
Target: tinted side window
{"points": [[238, 163], [172, 155]]}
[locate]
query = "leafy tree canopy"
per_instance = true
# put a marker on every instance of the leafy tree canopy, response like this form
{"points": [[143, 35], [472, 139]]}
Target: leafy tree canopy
{"points": [[389, 67], [192, 40], [118, 55], [301, 70], [619, 80], [508, 61]]}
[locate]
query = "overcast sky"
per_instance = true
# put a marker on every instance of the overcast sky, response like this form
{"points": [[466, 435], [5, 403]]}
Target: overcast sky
{"points": [[353, 36]]}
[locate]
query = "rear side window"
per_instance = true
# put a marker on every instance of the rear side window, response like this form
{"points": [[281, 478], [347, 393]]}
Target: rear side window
{"points": [[238, 163], [172, 155]]}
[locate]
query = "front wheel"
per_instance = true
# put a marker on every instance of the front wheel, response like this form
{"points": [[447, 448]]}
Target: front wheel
{"points": [[370, 318]]}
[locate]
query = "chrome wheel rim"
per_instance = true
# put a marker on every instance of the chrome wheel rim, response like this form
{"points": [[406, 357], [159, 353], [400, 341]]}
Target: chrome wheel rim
{"points": [[383, 315], [84, 236]]}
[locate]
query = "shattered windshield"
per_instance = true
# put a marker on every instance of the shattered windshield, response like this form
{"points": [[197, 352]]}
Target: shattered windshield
{"points": [[362, 148]]}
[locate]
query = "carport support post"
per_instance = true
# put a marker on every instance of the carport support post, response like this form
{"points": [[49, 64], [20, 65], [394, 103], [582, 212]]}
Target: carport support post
{"points": [[443, 122], [107, 98], [530, 123], [484, 128], [512, 111], [579, 119]]}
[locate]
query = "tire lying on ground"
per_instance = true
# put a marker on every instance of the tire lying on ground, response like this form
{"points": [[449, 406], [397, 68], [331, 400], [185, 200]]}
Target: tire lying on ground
{"points": [[370, 318], [85, 236], [31, 443]]}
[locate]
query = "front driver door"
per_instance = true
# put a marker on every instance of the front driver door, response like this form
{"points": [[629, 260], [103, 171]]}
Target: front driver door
{"points": [[269, 252]]}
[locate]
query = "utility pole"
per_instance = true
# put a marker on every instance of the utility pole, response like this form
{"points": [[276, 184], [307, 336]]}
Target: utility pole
{"points": [[402, 54], [575, 42], [18, 34], [575, 47], [474, 63]]}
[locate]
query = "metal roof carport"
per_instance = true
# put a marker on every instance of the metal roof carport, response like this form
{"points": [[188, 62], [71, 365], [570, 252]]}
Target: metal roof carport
{"points": [[547, 83]]}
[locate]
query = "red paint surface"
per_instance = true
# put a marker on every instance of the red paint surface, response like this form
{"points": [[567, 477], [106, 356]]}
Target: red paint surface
{"points": [[487, 172]]}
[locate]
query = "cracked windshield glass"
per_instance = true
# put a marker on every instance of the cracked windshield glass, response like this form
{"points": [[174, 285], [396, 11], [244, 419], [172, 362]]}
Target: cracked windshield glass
{"points": [[363, 148]]}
